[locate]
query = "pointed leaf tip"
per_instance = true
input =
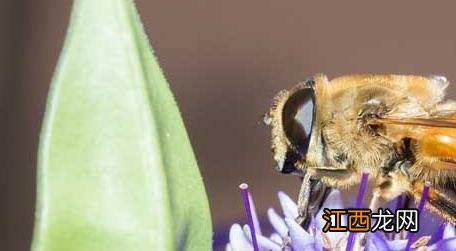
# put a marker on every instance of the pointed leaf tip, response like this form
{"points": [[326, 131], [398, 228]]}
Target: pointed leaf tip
{"points": [[115, 166]]}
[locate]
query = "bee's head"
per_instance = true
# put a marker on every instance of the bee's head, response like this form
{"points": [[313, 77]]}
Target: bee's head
{"points": [[291, 119]]}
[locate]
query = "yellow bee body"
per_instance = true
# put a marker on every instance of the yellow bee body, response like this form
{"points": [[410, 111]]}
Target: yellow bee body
{"points": [[397, 127]]}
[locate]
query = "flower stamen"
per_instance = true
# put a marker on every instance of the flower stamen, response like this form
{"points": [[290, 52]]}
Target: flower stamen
{"points": [[423, 199], [359, 202], [248, 211]]}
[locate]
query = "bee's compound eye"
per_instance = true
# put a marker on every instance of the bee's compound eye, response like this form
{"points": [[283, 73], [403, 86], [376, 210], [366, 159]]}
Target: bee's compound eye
{"points": [[289, 164], [297, 118]]}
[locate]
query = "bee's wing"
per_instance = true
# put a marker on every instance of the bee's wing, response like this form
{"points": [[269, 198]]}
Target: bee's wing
{"points": [[435, 137], [426, 122], [441, 199], [434, 150]]}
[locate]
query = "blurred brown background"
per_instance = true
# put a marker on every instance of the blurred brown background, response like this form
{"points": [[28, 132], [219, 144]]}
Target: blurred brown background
{"points": [[224, 60]]}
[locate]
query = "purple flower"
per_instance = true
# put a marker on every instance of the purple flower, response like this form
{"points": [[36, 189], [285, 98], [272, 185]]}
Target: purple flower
{"points": [[442, 237]]}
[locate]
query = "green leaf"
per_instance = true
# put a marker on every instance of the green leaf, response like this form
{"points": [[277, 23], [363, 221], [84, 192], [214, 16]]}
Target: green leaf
{"points": [[116, 170]]}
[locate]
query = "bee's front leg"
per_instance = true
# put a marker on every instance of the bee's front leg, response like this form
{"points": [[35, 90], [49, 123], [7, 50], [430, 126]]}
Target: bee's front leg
{"points": [[329, 171], [312, 194], [305, 205], [303, 199], [313, 191]]}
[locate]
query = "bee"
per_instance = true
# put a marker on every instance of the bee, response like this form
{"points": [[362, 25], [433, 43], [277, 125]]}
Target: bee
{"points": [[398, 127]]}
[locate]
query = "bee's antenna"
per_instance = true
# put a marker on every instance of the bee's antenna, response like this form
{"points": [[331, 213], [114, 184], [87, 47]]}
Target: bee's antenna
{"points": [[309, 82], [266, 119]]}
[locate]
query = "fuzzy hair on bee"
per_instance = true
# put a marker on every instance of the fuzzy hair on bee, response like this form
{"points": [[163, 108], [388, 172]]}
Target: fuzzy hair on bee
{"points": [[398, 127]]}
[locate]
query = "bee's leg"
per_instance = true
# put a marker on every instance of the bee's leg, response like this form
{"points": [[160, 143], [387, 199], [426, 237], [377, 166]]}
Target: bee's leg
{"points": [[327, 168], [329, 171], [303, 199], [319, 190], [303, 202], [311, 197], [312, 194], [404, 166], [388, 188]]}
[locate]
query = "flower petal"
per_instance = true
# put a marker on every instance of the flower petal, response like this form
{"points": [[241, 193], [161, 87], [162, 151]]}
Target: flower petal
{"points": [[238, 240], [449, 232], [356, 243], [370, 246], [378, 239], [333, 201], [317, 234], [275, 238], [438, 234], [277, 222], [263, 242], [289, 207], [445, 244], [432, 223], [397, 245], [300, 239]]}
